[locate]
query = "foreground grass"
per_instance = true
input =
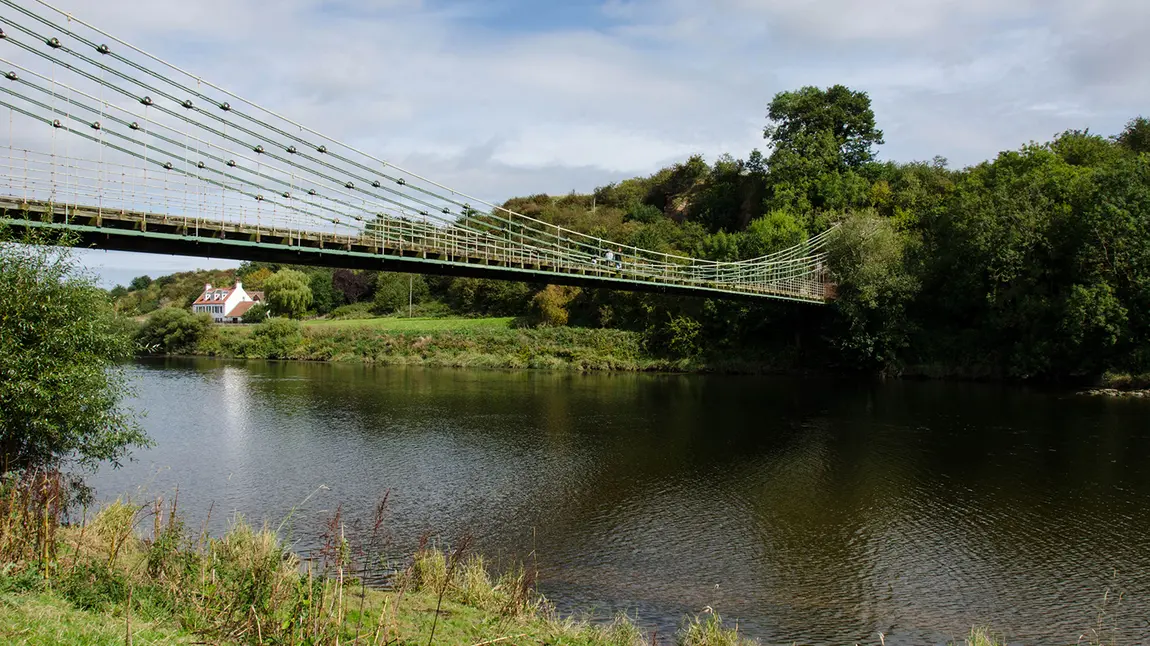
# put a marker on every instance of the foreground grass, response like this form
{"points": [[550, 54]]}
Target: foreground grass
{"points": [[43, 618], [130, 574], [48, 617]]}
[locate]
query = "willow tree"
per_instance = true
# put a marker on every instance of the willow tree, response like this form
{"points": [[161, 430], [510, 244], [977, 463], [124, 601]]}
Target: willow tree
{"points": [[288, 293]]}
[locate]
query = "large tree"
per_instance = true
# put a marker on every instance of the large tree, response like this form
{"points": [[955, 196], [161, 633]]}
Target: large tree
{"points": [[288, 293], [61, 392], [844, 114], [822, 140]]}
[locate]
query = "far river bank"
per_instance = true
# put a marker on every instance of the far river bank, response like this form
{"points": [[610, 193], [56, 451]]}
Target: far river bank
{"points": [[498, 344]]}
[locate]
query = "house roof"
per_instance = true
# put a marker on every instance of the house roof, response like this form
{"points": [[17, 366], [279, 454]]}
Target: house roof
{"points": [[215, 296], [241, 308]]}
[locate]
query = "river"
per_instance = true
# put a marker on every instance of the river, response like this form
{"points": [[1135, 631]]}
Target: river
{"points": [[809, 510]]}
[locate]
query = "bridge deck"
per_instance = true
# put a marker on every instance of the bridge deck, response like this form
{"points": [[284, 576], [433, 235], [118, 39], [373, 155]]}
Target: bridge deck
{"points": [[409, 247]]}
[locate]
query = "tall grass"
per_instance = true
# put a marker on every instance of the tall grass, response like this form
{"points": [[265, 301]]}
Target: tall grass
{"points": [[136, 564]]}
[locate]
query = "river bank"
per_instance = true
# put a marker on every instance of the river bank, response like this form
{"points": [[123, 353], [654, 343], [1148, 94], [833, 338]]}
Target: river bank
{"points": [[465, 343], [107, 580], [498, 343], [103, 581]]}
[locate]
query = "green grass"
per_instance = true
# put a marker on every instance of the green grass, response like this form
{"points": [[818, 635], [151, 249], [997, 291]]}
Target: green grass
{"points": [[36, 618], [417, 324]]}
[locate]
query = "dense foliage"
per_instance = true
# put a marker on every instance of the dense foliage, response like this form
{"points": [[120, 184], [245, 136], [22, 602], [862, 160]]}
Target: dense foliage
{"points": [[61, 395]]}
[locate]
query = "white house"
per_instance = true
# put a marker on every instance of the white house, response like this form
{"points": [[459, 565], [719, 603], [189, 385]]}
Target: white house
{"points": [[226, 304]]}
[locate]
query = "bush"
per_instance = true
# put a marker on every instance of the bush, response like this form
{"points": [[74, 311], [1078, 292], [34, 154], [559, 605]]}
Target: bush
{"points": [[549, 305], [173, 330], [353, 311], [257, 313], [277, 338], [678, 336]]}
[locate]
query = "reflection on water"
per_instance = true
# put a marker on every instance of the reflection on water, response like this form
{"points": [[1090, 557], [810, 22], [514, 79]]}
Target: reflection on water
{"points": [[810, 511]]}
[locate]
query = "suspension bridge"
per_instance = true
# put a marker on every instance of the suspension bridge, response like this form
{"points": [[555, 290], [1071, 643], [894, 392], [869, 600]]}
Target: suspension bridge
{"points": [[126, 151]]}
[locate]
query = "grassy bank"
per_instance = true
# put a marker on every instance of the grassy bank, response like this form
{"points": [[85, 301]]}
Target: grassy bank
{"points": [[470, 343], [417, 324], [131, 574]]}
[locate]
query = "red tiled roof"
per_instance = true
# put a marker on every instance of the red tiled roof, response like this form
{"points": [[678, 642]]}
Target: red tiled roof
{"points": [[241, 308], [224, 294]]}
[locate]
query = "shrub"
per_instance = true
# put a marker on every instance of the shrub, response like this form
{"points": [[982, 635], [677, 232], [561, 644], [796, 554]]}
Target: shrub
{"points": [[257, 313], [352, 311], [172, 330], [277, 338], [549, 305]]}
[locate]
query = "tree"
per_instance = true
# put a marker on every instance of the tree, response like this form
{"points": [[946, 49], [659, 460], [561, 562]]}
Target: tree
{"points": [[325, 297], [352, 284], [391, 291], [549, 305], [773, 232], [288, 293], [257, 277], [61, 390], [867, 261], [174, 330], [140, 282], [822, 153], [1136, 136], [843, 114]]}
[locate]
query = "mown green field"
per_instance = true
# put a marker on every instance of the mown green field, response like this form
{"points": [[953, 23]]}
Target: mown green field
{"points": [[417, 324]]}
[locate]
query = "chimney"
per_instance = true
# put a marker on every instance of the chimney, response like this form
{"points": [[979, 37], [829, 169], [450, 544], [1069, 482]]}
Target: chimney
{"points": [[239, 285], [208, 287]]}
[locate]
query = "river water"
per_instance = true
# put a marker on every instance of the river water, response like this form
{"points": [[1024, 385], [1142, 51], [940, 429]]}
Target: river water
{"points": [[810, 511]]}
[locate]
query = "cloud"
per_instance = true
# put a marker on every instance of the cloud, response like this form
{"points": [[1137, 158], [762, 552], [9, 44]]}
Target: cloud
{"points": [[509, 98]]}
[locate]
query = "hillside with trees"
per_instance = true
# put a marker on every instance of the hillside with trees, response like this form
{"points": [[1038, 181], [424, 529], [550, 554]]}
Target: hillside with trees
{"points": [[1035, 264]]}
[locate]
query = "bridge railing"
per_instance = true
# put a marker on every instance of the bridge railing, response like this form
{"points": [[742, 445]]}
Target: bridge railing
{"points": [[160, 195]]}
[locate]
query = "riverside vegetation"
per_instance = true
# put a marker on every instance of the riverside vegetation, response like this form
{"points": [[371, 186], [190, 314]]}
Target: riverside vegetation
{"points": [[1032, 266]]}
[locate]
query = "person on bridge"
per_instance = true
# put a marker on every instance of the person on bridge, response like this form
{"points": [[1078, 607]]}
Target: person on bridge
{"points": [[610, 257]]}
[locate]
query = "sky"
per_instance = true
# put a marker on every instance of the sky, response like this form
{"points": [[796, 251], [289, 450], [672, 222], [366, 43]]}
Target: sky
{"points": [[512, 97]]}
